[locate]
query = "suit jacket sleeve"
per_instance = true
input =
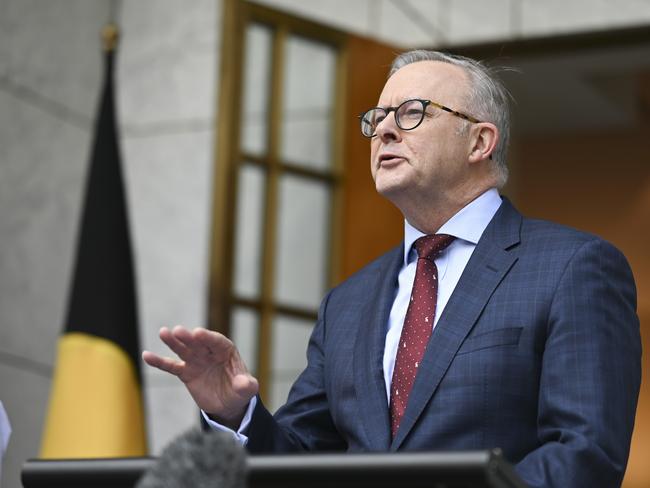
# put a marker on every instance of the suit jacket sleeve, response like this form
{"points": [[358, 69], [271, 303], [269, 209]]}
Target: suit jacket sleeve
{"points": [[304, 422], [590, 374]]}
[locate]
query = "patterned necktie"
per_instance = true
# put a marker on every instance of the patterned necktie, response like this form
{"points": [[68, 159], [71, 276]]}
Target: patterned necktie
{"points": [[418, 324]]}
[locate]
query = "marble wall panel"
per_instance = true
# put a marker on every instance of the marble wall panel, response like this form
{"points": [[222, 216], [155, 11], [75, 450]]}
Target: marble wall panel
{"points": [[24, 394], [5, 40], [169, 184], [474, 22], [50, 72], [350, 16], [167, 67], [560, 16], [54, 48], [43, 165], [418, 23], [175, 411], [167, 76], [431, 18], [404, 25], [50, 68]]}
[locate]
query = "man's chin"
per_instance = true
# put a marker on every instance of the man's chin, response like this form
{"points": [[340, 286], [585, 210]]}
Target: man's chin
{"points": [[390, 189]]}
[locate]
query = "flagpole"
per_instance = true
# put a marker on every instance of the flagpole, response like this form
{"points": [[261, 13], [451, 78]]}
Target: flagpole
{"points": [[96, 404], [110, 32], [110, 36]]}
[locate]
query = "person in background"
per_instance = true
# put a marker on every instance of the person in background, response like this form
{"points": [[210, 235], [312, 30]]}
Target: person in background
{"points": [[483, 329], [5, 433]]}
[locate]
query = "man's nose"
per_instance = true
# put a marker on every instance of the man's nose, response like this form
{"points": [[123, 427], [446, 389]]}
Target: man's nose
{"points": [[387, 129]]}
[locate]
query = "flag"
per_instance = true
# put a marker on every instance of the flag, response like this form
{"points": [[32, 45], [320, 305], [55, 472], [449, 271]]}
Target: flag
{"points": [[96, 407]]}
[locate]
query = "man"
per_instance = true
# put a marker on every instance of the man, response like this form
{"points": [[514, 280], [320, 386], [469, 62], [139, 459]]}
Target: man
{"points": [[5, 433], [484, 329]]}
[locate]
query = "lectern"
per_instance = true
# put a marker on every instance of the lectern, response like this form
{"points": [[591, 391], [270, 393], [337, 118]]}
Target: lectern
{"points": [[474, 469]]}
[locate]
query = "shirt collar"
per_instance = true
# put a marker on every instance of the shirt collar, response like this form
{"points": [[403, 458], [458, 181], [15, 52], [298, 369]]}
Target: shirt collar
{"points": [[467, 224]]}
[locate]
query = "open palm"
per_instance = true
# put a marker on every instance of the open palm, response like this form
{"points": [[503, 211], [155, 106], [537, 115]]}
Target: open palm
{"points": [[210, 366]]}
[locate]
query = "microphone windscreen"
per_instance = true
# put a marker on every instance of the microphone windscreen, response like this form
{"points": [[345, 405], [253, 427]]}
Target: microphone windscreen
{"points": [[199, 460]]}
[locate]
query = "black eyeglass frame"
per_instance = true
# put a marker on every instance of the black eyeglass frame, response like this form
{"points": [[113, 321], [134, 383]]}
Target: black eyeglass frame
{"points": [[425, 104]]}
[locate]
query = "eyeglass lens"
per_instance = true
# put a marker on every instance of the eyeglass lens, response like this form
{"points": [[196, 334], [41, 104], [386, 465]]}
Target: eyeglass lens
{"points": [[408, 115]]}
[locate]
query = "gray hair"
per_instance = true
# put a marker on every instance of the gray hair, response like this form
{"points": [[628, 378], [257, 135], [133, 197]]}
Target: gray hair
{"points": [[488, 98]]}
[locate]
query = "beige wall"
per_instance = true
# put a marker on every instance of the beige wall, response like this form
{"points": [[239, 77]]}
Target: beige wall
{"points": [[50, 73]]}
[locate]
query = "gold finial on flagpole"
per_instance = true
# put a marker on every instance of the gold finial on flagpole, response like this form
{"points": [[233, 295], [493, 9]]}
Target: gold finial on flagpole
{"points": [[110, 35]]}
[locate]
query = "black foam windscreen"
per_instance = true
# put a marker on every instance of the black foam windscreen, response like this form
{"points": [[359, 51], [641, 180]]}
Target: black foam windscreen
{"points": [[199, 460]]}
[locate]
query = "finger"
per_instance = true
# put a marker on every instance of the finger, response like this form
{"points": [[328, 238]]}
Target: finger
{"points": [[214, 343], [206, 345], [195, 350], [172, 341], [192, 350], [184, 336], [168, 365]]}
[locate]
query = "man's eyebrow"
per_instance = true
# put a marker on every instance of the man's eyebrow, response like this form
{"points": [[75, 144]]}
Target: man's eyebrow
{"points": [[401, 100]]}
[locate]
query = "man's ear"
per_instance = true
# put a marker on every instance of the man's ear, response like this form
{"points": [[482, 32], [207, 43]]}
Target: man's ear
{"points": [[483, 141]]}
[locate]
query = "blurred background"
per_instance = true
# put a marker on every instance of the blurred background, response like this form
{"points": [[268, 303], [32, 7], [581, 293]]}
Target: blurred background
{"points": [[247, 181]]}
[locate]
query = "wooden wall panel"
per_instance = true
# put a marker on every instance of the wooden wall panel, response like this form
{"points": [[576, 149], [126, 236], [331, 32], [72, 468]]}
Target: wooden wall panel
{"points": [[371, 224]]}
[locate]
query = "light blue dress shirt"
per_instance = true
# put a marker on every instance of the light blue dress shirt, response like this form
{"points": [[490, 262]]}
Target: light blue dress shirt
{"points": [[467, 226]]}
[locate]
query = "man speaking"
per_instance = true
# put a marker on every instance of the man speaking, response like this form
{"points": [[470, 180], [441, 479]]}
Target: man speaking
{"points": [[483, 329]]}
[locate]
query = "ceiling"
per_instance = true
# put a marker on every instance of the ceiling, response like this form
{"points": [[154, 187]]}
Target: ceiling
{"points": [[583, 82]]}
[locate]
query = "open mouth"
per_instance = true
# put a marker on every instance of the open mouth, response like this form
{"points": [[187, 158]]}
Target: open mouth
{"points": [[390, 159]]}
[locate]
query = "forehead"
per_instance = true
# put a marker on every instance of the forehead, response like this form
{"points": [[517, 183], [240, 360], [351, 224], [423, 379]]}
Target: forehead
{"points": [[435, 80]]}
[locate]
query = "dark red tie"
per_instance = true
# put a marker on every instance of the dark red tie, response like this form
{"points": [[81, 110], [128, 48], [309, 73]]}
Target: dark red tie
{"points": [[418, 324]]}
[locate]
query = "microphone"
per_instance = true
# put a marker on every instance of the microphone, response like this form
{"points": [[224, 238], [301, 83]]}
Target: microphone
{"points": [[199, 459]]}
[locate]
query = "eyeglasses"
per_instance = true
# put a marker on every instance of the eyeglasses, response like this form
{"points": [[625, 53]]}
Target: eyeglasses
{"points": [[408, 115]]}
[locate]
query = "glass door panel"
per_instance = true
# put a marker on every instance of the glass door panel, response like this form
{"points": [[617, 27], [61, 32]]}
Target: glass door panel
{"points": [[248, 231], [255, 94], [309, 75], [303, 245], [290, 339]]}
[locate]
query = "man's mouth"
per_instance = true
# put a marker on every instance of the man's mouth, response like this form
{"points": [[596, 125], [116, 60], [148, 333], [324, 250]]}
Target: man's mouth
{"points": [[389, 159]]}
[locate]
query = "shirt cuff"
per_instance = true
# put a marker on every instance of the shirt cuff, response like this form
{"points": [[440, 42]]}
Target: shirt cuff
{"points": [[239, 434]]}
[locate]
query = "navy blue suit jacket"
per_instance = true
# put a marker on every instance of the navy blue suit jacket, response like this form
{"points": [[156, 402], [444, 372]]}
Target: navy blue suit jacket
{"points": [[537, 352]]}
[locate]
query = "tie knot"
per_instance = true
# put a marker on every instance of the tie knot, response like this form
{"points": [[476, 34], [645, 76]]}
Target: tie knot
{"points": [[430, 246]]}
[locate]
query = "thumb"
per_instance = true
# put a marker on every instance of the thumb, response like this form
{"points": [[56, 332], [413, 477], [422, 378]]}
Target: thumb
{"points": [[245, 386]]}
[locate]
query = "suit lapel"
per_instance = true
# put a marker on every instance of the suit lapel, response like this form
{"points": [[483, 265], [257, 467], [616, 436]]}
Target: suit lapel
{"points": [[489, 264], [369, 350]]}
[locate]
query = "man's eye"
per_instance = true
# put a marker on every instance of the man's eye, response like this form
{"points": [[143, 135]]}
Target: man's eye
{"points": [[413, 113], [379, 118]]}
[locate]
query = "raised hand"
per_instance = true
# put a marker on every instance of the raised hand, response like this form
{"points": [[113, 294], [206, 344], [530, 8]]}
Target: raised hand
{"points": [[212, 370]]}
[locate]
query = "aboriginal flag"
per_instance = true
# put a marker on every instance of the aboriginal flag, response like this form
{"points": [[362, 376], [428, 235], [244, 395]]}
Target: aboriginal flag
{"points": [[96, 407]]}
